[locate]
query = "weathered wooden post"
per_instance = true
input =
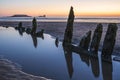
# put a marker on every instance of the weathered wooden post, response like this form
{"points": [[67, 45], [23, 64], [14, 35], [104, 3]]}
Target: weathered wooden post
{"points": [[96, 38], [34, 26], [109, 40], [69, 29], [85, 41]]}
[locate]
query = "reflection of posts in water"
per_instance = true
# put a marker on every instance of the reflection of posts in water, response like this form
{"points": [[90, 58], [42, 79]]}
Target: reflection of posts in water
{"points": [[107, 68], [68, 57], [109, 40], [40, 34], [69, 29], [20, 31], [96, 39], [85, 41], [28, 30], [34, 38], [20, 28], [85, 58], [56, 42], [95, 66]]}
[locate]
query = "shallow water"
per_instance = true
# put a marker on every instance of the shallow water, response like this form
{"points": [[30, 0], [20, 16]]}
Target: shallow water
{"points": [[41, 56]]}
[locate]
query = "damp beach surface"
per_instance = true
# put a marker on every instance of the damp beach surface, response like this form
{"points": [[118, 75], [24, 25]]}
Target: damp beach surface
{"points": [[42, 57]]}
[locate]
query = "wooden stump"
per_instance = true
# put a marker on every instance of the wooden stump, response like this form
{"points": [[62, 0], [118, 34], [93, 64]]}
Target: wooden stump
{"points": [[84, 43], [109, 40], [96, 38], [69, 29]]}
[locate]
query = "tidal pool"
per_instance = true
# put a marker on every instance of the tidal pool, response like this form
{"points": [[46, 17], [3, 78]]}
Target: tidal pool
{"points": [[41, 56]]}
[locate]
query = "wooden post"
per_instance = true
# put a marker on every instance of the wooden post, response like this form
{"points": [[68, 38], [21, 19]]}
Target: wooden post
{"points": [[96, 38], [34, 26], [84, 43], [109, 40], [69, 29]]}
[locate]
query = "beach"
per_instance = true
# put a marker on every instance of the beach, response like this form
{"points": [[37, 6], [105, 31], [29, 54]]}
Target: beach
{"points": [[9, 71], [57, 29]]}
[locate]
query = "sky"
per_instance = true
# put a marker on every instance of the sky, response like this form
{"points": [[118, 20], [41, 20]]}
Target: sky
{"points": [[60, 7]]}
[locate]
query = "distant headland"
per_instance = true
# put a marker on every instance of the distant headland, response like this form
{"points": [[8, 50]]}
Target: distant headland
{"points": [[20, 15], [24, 15]]}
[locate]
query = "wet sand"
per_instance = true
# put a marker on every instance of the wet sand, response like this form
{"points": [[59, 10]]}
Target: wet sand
{"points": [[57, 29], [8, 71]]}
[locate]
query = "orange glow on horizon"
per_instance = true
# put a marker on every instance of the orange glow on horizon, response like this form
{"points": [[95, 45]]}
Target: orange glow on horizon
{"points": [[60, 8]]}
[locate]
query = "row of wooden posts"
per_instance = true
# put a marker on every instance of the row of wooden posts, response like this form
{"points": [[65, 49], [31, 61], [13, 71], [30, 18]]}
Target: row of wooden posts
{"points": [[32, 31], [86, 42], [92, 44]]}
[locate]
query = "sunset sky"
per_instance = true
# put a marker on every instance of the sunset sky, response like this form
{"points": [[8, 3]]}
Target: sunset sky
{"points": [[60, 7]]}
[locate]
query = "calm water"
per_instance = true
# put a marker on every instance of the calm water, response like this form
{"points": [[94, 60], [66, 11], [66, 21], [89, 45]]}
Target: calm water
{"points": [[41, 56], [40, 19]]}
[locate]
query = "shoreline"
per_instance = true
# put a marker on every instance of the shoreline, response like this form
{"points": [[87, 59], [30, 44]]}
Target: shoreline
{"points": [[9, 71]]}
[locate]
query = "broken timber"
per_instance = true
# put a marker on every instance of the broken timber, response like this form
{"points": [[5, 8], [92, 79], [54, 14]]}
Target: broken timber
{"points": [[109, 40], [69, 29], [96, 38]]}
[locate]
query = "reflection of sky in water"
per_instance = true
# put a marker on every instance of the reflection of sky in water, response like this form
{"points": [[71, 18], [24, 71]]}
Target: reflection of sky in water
{"points": [[49, 61]]}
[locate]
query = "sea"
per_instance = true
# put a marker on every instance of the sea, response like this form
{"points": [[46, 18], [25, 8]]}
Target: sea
{"points": [[59, 19]]}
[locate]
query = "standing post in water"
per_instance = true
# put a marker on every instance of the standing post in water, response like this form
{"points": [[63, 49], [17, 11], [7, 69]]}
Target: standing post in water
{"points": [[96, 38], [69, 29], [110, 39], [34, 26]]}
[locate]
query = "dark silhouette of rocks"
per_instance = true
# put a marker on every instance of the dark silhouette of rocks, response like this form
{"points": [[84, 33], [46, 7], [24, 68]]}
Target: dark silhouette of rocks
{"points": [[42, 16], [96, 39], [20, 15], [34, 26], [109, 41], [85, 41], [69, 29]]}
